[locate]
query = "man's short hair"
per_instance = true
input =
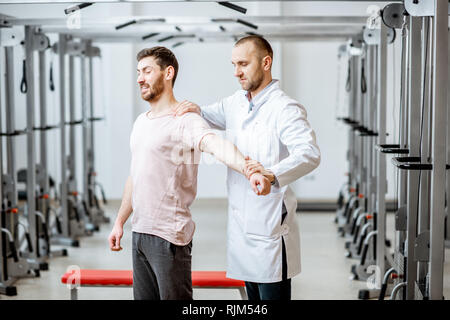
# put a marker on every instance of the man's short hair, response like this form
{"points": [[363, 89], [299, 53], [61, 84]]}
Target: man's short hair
{"points": [[261, 44], [163, 57]]}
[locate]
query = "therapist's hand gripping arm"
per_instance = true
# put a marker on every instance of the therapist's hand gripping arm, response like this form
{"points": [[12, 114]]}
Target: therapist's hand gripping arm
{"points": [[253, 166], [226, 152], [124, 213]]}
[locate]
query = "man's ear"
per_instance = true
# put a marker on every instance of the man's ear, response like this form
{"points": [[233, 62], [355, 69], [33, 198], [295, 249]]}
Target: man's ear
{"points": [[267, 63], [170, 73]]}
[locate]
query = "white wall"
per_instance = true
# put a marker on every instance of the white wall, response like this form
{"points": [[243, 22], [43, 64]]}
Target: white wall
{"points": [[308, 73], [311, 81]]}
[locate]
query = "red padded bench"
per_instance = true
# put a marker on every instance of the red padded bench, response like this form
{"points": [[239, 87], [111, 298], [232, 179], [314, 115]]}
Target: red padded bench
{"points": [[113, 278]]}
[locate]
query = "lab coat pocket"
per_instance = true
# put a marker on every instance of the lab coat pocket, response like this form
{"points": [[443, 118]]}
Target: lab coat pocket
{"points": [[263, 214]]}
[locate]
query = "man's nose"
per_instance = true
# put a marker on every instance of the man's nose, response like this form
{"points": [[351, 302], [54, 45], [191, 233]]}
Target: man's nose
{"points": [[237, 72]]}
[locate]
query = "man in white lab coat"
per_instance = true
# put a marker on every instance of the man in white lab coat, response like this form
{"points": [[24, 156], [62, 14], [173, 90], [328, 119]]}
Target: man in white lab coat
{"points": [[263, 242]]}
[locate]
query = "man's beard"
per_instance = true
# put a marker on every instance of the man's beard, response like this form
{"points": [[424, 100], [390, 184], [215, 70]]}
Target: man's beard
{"points": [[252, 85], [154, 91]]}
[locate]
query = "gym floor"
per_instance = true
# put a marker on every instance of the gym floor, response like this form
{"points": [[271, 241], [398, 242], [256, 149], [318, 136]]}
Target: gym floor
{"points": [[325, 271]]}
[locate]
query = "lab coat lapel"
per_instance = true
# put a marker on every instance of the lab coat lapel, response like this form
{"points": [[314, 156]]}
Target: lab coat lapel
{"points": [[259, 102]]}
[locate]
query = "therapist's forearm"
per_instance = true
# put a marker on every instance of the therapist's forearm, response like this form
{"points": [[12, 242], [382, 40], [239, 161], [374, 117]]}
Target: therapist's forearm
{"points": [[224, 151], [294, 167], [126, 207]]}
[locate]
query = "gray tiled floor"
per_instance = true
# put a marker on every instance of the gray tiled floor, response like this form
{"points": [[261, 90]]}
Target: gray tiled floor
{"points": [[325, 270]]}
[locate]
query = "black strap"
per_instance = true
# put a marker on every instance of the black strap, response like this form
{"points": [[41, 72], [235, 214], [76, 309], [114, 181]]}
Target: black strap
{"points": [[52, 84], [363, 77], [23, 83], [348, 84]]}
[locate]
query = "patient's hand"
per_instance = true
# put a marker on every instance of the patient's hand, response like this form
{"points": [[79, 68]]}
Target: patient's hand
{"points": [[253, 166], [258, 179]]}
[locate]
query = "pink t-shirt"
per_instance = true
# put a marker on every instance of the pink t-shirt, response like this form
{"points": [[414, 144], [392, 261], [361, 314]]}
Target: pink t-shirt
{"points": [[164, 162]]}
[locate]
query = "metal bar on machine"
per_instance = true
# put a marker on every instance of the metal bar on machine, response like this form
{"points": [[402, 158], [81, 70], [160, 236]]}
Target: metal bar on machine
{"points": [[447, 238], [353, 116], [31, 148], [3, 266], [440, 78], [91, 114], [360, 140], [401, 214], [424, 194], [10, 122], [369, 139], [90, 173], [85, 134], [373, 127], [381, 163], [9, 179], [43, 121], [354, 92], [71, 158], [62, 105], [414, 85]]}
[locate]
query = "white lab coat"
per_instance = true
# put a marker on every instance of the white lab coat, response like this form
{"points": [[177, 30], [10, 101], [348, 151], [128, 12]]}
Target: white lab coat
{"points": [[277, 134]]}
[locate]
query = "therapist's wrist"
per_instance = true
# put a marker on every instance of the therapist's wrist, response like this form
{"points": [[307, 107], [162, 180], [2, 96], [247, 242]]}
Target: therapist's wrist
{"points": [[270, 176]]}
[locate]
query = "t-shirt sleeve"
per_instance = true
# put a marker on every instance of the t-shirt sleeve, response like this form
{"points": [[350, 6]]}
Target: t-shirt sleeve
{"points": [[194, 128]]}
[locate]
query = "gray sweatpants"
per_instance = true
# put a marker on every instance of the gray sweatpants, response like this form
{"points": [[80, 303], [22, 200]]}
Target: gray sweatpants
{"points": [[161, 270]]}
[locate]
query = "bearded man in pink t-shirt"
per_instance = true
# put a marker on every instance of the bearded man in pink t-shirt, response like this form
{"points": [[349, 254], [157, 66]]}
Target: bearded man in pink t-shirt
{"points": [[165, 152]]}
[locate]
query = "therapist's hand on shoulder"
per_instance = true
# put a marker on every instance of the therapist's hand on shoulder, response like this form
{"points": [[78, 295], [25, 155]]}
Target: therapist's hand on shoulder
{"points": [[258, 180], [185, 106]]}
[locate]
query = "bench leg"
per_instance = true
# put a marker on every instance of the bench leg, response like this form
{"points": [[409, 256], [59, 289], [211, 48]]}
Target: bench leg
{"points": [[74, 293], [243, 293]]}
